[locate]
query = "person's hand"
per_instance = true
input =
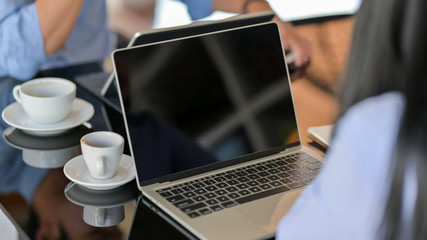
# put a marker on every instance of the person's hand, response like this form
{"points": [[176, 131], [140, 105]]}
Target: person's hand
{"points": [[292, 41], [297, 44]]}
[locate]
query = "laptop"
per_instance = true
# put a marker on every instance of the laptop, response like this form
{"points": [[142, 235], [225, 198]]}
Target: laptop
{"points": [[101, 84], [212, 129], [148, 217], [10, 229]]}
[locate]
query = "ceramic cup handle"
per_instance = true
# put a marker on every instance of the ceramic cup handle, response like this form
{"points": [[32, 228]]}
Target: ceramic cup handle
{"points": [[17, 93], [100, 165]]}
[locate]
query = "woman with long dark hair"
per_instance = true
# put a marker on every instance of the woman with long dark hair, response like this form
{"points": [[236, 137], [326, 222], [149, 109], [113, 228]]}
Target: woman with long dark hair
{"points": [[373, 184]]}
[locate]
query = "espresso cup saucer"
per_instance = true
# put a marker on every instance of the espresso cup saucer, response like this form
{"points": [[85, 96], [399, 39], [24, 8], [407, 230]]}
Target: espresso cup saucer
{"points": [[76, 170], [15, 116]]}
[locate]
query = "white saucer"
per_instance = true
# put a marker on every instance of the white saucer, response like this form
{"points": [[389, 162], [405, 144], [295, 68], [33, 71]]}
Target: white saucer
{"points": [[15, 116], [77, 171]]}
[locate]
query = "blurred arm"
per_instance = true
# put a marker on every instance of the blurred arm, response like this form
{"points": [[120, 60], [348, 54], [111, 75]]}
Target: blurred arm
{"points": [[57, 19]]}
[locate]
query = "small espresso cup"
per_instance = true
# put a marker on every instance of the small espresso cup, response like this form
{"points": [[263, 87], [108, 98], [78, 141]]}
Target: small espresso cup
{"points": [[46, 100], [102, 152]]}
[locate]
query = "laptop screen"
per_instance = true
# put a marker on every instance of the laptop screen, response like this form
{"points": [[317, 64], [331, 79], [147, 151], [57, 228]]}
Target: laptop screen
{"points": [[204, 99]]}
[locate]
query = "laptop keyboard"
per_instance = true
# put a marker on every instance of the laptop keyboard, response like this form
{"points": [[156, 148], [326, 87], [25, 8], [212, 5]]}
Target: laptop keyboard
{"points": [[245, 184]]}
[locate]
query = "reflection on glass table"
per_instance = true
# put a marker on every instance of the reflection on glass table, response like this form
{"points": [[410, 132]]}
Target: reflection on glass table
{"points": [[40, 179], [101, 208], [53, 216], [46, 152]]}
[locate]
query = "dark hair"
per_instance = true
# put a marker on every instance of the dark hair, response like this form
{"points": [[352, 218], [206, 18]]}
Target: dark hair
{"points": [[389, 53]]}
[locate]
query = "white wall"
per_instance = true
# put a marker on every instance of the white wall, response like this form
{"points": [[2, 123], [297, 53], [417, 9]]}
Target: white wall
{"points": [[172, 12], [297, 9]]}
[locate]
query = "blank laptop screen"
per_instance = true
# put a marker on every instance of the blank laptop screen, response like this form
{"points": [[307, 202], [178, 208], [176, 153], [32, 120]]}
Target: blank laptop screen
{"points": [[204, 99]]}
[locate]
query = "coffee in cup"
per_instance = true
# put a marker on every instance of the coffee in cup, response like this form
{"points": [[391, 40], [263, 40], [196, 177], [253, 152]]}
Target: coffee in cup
{"points": [[102, 152], [46, 100]]}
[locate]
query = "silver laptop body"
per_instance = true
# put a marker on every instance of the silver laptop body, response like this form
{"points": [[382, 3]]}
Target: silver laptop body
{"points": [[209, 116]]}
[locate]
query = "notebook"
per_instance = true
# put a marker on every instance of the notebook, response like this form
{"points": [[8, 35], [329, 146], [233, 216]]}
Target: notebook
{"points": [[213, 132], [10, 229], [101, 84], [321, 134]]}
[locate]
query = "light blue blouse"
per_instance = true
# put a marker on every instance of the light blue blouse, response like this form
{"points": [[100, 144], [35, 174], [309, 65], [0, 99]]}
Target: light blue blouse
{"points": [[346, 200], [198, 8], [21, 44]]}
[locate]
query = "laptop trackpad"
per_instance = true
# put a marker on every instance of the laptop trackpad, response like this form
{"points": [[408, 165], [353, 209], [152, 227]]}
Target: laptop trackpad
{"points": [[269, 211]]}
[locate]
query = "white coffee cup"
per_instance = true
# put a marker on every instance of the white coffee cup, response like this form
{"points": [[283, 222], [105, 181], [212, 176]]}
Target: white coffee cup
{"points": [[102, 152], [46, 100]]}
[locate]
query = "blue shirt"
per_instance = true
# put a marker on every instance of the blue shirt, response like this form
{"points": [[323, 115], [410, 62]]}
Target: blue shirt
{"points": [[198, 8], [22, 51], [347, 199]]}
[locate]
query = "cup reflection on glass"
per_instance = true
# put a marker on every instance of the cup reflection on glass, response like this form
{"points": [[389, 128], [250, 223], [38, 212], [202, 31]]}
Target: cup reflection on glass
{"points": [[102, 152], [103, 217], [49, 158], [46, 100]]}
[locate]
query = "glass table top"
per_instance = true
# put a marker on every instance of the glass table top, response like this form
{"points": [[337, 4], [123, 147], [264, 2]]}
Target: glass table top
{"points": [[42, 203]]}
